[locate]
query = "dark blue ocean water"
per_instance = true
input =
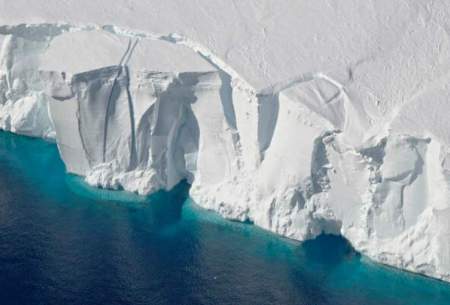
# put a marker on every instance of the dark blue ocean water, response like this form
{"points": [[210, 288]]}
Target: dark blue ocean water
{"points": [[64, 243]]}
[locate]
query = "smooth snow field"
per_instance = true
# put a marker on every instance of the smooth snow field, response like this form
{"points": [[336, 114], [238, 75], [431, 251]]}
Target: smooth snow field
{"points": [[63, 242]]}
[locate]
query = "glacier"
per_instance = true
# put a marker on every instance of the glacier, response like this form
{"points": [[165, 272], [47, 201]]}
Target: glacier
{"points": [[300, 117]]}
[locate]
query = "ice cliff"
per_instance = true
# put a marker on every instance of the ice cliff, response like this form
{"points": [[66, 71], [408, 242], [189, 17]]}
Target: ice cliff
{"points": [[351, 136]]}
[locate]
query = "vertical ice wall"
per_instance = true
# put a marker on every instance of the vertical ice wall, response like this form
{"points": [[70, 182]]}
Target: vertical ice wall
{"points": [[163, 126]]}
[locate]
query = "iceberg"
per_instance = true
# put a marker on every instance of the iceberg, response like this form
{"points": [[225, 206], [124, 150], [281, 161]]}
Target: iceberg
{"points": [[338, 125]]}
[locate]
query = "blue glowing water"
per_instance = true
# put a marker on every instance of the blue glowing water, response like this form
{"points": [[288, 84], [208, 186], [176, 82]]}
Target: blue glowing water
{"points": [[64, 243]]}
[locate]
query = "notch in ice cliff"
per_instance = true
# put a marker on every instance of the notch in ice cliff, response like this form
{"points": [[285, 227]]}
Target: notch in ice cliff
{"points": [[141, 112]]}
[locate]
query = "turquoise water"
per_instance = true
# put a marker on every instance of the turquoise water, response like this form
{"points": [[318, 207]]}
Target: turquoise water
{"points": [[62, 242]]}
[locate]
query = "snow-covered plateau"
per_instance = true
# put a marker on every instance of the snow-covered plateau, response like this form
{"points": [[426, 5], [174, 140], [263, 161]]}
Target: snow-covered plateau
{"points": [[302, 117]]}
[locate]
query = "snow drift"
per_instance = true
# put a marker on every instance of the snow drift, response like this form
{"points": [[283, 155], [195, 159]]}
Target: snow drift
{"points": [[362, 151]]}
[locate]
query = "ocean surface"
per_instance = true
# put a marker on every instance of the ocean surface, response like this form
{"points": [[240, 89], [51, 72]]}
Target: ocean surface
{"points": [[63, 243]]}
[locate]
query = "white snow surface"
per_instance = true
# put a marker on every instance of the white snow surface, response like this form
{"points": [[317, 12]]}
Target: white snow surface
{"points": [[302, 117]]}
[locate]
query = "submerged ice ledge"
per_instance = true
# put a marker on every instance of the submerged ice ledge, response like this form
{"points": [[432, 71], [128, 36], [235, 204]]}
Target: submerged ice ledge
{"points": [[142, 112]]}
